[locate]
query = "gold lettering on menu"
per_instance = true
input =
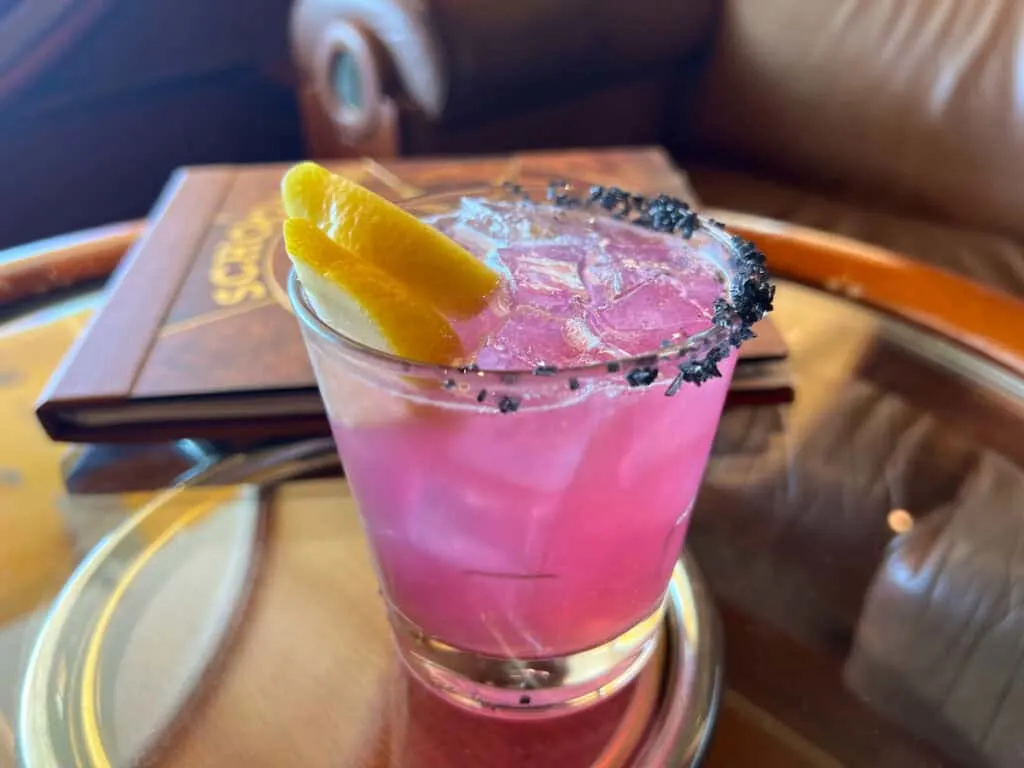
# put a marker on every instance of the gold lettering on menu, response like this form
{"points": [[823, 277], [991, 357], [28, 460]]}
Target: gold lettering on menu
{"points": [[236, 269]]}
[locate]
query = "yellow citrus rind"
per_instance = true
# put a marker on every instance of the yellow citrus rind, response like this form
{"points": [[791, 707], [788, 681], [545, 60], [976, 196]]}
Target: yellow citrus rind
{"points": [[354, 296], [414, 254]]}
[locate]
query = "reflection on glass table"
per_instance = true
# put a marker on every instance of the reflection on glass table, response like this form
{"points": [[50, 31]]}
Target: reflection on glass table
{"points": [[864, 540], [862, 544]]}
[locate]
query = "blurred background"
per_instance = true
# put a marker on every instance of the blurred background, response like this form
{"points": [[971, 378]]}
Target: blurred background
{"points": [[866, 538], [899, 122]]}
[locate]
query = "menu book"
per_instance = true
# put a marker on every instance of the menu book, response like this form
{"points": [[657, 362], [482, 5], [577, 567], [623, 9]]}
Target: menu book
{"points": [[196, 336]]}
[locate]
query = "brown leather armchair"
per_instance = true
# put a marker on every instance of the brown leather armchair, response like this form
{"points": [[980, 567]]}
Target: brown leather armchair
{"points": [[898, 122]]}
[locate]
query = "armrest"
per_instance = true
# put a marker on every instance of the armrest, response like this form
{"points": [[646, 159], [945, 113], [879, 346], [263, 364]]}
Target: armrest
{"points": [[463, 62], [64, 261]]}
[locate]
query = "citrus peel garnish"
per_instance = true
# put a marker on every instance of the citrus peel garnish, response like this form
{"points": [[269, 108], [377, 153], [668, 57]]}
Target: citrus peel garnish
{"points": [[430, 265], [352, 294]]}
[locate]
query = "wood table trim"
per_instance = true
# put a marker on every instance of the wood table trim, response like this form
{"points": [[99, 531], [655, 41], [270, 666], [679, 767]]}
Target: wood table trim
{"points": [[64, 261], [984, 320]]}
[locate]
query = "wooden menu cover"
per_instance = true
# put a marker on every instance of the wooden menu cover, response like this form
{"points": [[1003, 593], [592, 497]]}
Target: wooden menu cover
{"points": [[196, 337]]}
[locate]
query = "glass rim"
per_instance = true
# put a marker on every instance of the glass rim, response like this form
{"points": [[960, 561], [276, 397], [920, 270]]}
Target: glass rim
{"points": [[750, 293]]}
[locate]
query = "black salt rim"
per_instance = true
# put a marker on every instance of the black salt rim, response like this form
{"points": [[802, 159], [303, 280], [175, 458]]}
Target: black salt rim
{"points": [[751, 291], [695, 359]]}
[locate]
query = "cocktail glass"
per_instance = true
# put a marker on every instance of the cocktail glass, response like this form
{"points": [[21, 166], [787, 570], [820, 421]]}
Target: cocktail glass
{"points": [[525, 524]]}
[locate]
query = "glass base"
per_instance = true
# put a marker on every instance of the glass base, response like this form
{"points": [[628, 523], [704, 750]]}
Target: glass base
{"points": [[525, 688]]}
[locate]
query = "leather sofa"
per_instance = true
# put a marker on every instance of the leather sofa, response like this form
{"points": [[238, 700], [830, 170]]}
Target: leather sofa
{"points": [[899, 122]]}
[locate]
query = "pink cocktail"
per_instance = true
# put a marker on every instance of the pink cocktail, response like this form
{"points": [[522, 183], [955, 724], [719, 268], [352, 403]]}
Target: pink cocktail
{"points": [[526, 506]]}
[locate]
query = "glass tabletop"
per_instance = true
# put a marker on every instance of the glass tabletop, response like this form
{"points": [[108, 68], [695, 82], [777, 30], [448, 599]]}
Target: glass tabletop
{"points": [[862, 544]]}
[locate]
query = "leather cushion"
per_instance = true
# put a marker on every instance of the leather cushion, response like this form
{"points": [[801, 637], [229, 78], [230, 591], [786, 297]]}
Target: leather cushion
{"points": [[915, 102], [994, 260], [500, 55]]}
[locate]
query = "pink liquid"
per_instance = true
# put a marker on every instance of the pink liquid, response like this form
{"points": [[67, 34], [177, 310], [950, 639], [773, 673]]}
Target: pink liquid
{"points": [[553, 529]]}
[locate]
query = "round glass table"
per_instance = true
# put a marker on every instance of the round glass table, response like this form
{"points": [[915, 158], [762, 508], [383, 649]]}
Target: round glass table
{"points": [[861, 544]]}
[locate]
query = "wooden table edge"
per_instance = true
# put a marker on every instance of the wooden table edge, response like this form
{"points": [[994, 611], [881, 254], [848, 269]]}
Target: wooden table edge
{"points": [[982, 319], [64, 261]]}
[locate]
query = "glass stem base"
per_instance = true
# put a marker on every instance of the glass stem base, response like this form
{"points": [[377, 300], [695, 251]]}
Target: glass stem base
{"points": [[524, 688]]}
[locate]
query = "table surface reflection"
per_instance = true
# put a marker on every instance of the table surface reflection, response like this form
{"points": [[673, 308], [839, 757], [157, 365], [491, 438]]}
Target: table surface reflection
{"points": [[864, 544]]}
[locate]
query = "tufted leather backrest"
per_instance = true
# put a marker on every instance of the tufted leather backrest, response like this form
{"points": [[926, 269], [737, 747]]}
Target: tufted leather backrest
{"points": [[917, 102], [548, 49]]}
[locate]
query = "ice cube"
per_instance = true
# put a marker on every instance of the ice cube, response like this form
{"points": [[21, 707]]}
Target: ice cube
{"points": [[608, 280], [530, 336], [477, 225], [640, 318], [542, 281], [557, 251], [500, 223], [483, 217], [474, 522], [532, 454], [581, 336], [629, 236], [487, 510], [480, 244]]}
